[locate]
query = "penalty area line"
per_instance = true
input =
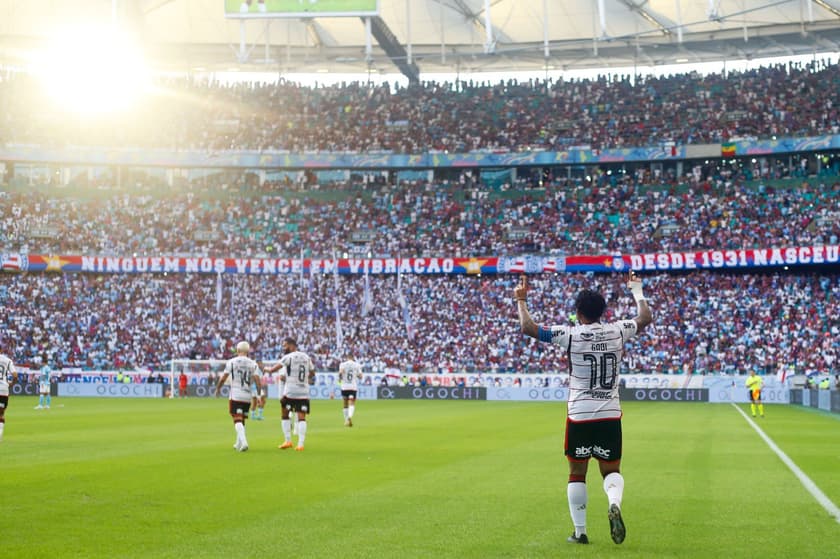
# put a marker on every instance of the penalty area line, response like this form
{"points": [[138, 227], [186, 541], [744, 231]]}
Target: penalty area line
{"points": [[806, 482]]}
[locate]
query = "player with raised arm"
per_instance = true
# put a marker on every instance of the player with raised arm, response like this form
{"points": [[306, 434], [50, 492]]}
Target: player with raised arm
{"points": [[8, 376], [593, 421], [243, 372], [349, 374], [298, 373]]}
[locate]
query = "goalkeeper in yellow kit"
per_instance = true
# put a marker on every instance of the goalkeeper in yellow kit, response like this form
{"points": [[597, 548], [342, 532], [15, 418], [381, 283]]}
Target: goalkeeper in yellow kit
{"points": [[754, 384]]}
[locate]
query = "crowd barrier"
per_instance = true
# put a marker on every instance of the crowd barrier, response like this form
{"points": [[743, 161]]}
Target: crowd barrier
{"points": [[826, 400], [523, 388], [24, 388]]}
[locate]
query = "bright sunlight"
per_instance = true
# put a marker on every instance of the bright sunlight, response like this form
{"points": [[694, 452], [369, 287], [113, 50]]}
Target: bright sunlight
{"points": [[92, 70]]}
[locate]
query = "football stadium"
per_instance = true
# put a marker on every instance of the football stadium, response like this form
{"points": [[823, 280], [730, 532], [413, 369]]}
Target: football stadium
{"points": [[420, 278]]}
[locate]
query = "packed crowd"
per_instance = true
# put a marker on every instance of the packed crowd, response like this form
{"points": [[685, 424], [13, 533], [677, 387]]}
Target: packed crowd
{"points": [[425, 219], [783, 100], [704, 322]]}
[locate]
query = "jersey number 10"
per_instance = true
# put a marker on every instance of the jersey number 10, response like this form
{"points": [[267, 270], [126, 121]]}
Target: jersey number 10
{"points": [[603, 370]]}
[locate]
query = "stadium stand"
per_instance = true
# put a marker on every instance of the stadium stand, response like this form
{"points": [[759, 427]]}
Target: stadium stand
{"points": [[714, 322], [707, 323], [782, 100], [424, 219]]}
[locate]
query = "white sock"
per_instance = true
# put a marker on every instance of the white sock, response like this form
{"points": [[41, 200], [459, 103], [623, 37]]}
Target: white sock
{"points": [[345, 413], [351, 409], [287, 428], [576, 492], [240, 433], [301, 432], [2, 426], [614, 487]]}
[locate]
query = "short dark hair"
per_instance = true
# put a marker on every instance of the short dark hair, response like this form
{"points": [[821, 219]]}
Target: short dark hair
{"points": [[290, 341], [590, 304]]}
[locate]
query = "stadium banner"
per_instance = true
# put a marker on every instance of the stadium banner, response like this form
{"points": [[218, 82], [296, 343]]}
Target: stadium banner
{"points": [[655, 380], [473, 379], [726, 389], [664, 394], [328, 392], [531, 264], [254, 159], [524, 394], [206, 391], [103, 377], [99, 390], [262, 9], [431, 393], [318, 392], [25, 388]]}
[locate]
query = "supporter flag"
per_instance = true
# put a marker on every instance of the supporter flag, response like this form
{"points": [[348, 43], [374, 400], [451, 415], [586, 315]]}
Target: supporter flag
{"points": [[218, 292], [171, 313], [339, 337], [232, 297], [301, 267], [367, 302], [309, 306], [339, 334], [781, 374], [518, 265], [727, 149], [15, 261], [403, 303], [481, 293]]}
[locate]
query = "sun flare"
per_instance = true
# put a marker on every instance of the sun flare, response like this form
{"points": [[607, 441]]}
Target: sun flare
{"points": [[92, 70]]}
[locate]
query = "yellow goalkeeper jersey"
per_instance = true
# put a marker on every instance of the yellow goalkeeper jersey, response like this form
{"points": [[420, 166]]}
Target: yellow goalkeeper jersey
{"points": [[754, 382]]}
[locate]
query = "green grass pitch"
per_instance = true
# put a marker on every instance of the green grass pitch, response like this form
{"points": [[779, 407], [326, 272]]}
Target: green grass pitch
{"points": [[159, 478]]}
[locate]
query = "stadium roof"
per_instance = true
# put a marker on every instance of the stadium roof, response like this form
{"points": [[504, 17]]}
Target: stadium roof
{"points": [[443, 35]]}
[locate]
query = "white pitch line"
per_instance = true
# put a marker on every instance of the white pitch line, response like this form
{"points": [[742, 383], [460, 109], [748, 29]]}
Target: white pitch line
{"points": [[812, 488]]}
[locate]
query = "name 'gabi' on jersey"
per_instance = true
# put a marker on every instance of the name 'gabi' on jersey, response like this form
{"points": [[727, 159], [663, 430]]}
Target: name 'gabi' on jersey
{"points": [[594, 351]]}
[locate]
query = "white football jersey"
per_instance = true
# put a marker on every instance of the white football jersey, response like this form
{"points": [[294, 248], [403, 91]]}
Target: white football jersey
{"points": [[7, 368], [296, 368], [242, 371], [348, 374], [594, 351]]}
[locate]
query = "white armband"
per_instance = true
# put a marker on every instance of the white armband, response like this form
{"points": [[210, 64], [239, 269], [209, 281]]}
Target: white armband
{"points": [[636, 289]]}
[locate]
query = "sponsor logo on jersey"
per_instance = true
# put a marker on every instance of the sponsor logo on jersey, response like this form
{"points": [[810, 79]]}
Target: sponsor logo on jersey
{"points": [[601, 452], [598, 394]]}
